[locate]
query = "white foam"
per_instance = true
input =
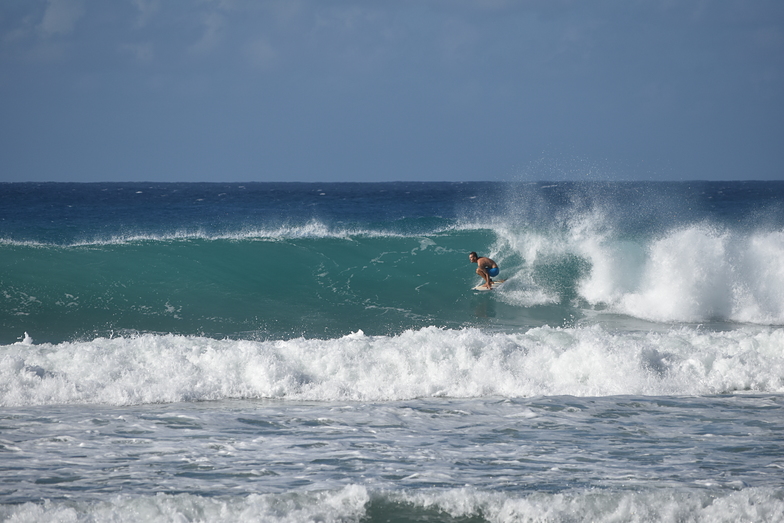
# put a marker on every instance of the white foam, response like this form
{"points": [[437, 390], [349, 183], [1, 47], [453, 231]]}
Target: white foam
{"points": [[312, 229], [430, 362], [749, 504], [347, 504], [353, 502], [695, 273]]}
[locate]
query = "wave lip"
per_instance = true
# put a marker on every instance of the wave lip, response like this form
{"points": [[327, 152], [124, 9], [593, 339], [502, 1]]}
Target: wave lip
{"points": [[430, 362], [697, 274], [312, 229], [691, 273]]}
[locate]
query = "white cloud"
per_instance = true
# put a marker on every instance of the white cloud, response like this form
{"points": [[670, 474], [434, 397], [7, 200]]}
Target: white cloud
{"points": [[61, 16], [15, 35], [142, 52], [214, 25], [458, 40], [260, 54], [147, 9]]}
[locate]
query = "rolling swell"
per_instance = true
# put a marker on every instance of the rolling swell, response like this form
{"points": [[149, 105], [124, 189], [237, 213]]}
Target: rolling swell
{"points": [[316, 286], [325, 284], [276, 261]]}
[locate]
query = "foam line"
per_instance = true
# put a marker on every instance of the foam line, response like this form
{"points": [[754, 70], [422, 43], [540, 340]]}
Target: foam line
{"points": [[429, 362]]}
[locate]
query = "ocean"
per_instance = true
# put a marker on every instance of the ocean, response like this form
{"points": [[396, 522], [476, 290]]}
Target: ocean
{"points": [[315, 352]]}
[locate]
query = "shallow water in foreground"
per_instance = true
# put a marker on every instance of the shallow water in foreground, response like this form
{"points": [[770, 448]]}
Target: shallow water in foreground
{"points": [[313, 352], [561, 457]]}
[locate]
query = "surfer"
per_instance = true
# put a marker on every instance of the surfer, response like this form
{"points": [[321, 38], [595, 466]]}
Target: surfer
{"points": [[486, 268]]}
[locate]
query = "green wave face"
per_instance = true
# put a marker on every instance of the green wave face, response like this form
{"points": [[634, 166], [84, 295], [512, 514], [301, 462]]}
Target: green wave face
{"points": [[278, 261], [312, 287]]}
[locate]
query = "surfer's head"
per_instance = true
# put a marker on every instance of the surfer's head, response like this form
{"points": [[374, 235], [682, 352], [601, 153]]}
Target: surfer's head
{"points": [[473, 257]]}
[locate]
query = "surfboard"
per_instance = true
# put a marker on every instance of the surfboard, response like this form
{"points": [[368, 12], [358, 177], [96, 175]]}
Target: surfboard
{"points": [[481, 286]]}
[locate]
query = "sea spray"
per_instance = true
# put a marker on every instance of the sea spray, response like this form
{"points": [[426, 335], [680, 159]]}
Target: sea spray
{"points": [[695, 273], [429, 362]]}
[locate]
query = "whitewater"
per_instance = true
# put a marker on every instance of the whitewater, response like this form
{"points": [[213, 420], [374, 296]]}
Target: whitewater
{"points": [[313, 352]]}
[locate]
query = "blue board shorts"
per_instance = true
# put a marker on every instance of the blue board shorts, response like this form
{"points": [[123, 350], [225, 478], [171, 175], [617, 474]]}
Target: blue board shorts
{"points": [[493, 272]]}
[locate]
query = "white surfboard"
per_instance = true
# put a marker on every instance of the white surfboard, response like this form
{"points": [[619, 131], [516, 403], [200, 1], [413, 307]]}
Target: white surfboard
{"points": [[481, 286]]}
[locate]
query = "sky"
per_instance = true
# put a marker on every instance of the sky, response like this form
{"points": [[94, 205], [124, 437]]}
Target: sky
{"points": [[396, 90]]}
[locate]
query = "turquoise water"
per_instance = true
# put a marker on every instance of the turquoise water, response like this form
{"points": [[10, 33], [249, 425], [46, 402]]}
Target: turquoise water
{"points": [[304, 352], [251, 287], [281, 261]]}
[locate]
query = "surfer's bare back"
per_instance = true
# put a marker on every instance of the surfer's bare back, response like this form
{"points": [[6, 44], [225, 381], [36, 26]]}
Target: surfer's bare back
{"points": [[486, 268]]}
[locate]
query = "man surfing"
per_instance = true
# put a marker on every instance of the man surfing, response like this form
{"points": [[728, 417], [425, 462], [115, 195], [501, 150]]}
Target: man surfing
{"points": [[486, 268]]}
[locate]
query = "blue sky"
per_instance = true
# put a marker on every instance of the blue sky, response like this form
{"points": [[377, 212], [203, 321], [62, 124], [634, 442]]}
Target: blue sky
{"points": [[298, 90]]}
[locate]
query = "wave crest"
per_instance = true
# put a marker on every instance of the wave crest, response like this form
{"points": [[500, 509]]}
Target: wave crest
{"points": [[694, 273], [430, 362]]}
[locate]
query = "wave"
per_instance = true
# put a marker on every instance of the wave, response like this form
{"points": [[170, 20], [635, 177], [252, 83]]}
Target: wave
{"points": [[358, 503], [386, 258], [696, 273], [429, 362], [325, 282], [270, 289], [312, 229]]}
